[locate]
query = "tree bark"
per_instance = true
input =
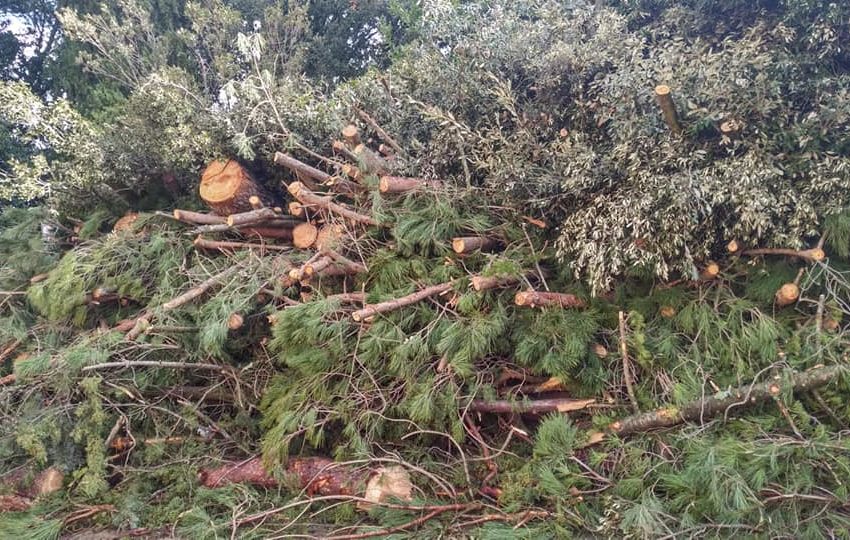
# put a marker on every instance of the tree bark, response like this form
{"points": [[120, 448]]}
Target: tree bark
{"points": [[401, 184], [198, 218], [668, 109], [484, 283], [351, 135], [468, 244], [391, 305], [301, 168], [548, 299], [306, 196], [811, 255], [383, 135], [227, 188], [251, 217], [371, 163], [537, 406], [280, 233], [222, 245]]}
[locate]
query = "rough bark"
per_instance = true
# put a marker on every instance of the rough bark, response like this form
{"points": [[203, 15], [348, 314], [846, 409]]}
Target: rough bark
{"points": [[329, 236], [226, 187], [391, 305], [198, 218], [300, 192], [548, 299], [251, 217]]}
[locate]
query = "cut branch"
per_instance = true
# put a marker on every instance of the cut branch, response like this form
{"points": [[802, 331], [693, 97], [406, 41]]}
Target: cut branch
{"points": [[548, 299], [383, 135], [537, 406], [304, 235], [402, 184], [227, 188], [668, 109], [468, 244], [301, 169], [391, 305], [224, 245], [351, 135], [306, 196], [811, 255], [251, 217], [198, 218]]}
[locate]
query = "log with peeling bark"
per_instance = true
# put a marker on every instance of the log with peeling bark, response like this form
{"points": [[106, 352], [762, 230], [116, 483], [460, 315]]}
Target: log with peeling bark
{"points": [[468, 244], [251, 217], [140, 323], [812, 255], [226, 187], [302, 170], [548, 299], [664, 97], [198, 218], [401, 184], [370, 311], [723, 402], [317, 476], [536, 406], [224, 245], [300, 192], [304, 235]]}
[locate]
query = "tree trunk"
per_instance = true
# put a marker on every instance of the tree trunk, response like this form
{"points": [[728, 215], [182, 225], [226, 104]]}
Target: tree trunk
{"points": [[548, 299], [227, 188]]}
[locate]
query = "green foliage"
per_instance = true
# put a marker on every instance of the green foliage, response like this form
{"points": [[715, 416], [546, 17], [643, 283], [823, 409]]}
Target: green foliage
{"points": [[88, 431]]}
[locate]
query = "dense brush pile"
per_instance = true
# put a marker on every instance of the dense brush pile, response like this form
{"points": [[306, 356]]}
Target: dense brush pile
{"points": [[493, 290]]}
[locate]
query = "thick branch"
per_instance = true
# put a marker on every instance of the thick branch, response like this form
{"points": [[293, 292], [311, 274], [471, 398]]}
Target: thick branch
{"points": [[252, 217], [198, 218], [384, 136], [537, 406], [665, 100], [468, 244], [301, 168], [811, 255], [398, 303], [306, 196], [548, 299], [402, 184], [223, 245], [484, 283]]}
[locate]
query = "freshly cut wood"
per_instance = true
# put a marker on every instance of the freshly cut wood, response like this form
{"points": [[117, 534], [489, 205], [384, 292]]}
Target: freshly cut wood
{"points": [[223, 245], [386, 150], [313, 268], [383, 135], [341, 148], [811, 255], [711, 271], [353, 172], [402, 184], [787, 294], [484, 283], [371, 163], [198, 218], [667, 312], [733, 246], [344, 186], [731, 129], [279, 233], [255, 201], [330, 236], [664, 97], [548, 299], [296, 209], [537, 406], [8, 379], [235, 321], [301, 168], [721, 403], [468, 244], [599, 350], [226, 187], [304, 235], [317, 476], [351, 135], [370, 311], [126, 222], [300, 192], [251, 217]]}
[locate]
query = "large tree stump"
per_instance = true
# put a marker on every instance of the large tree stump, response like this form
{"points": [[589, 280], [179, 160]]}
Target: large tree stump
{"points": [[227, 188]]}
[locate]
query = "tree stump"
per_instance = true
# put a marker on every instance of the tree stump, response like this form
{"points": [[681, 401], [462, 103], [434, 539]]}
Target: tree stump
{"points": [[227, 188]]}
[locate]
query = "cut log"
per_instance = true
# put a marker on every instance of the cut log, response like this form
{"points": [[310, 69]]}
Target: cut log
{"points": [[318, 476], [300, 168], [226, 187], [484, 283], [788, 294], [319, 265], [296, 209], [344, 186], [304, 235], [353, 172], [341, 148], [468, 244], [711, 271], [391, 305], [548, 299], [401, 184], [198, 218], [306, 196], [235, 321], [664, 98], [251, 217], [667, 312], [351, 135], [371, 163], [27, 488], [733, 246], [329, 236], [255, 201], [731, 129], [222, 245], [811, 255]]}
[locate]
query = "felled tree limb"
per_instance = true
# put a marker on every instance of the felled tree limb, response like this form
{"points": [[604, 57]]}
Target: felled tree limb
{"points": [[536, 406], [468, 244], [300, 168], [484, 283], [401, 184], [723, 402], [548, 299], [251, 217], [300, 192], [195, 292], [345, 262], [811, 255], [280, 233], [664, 98], [198, 218], [384, 136], [371, 163], [351, 135], [398, 303], [223, 245]]}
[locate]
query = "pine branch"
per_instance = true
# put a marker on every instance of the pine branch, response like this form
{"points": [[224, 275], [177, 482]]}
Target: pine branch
{"points": [[398, 303], [384, 136]]}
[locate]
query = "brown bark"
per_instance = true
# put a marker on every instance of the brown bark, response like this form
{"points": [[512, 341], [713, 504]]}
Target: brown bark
{"points": [[255, 201], [351, 135], [548, 299], [280, 233], [27, 488], [304, 235], [811, 255], [484, 283], [8, 379], [317, 266], [198, 218], [370, 311], [386, 150], [353, 172], [251, 217], [344, 186], [316, 475], [468, 244], [383, 135], [300, 168], [371, 163], [537, 406], [306, 196], [222, 245], [401, 184], [341, 148], [722, 402], [226, 187], [15, 503], [344, 262], [668, 109]]}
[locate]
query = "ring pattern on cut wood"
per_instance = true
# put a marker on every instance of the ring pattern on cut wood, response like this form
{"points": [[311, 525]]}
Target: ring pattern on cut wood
{"points": [[227, 188]]}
